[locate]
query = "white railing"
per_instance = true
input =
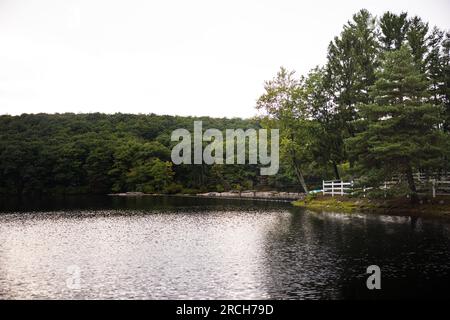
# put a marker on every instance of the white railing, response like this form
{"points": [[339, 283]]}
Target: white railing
{"points": [[341, 188], [440, 187], [423, 177], [337, 187]]}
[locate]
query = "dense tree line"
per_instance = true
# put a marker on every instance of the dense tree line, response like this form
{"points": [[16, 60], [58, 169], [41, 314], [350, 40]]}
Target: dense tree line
{"points": [[99, 153], [379, 107]]}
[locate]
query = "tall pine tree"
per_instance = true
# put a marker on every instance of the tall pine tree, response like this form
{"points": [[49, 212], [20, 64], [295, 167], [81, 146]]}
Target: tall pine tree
{"points": [[349, 72], [445, 84], [401, 133]]}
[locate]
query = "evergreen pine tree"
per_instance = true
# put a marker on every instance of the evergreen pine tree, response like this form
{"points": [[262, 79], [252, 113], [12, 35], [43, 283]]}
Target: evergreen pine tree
{"points": [[401, 133]]}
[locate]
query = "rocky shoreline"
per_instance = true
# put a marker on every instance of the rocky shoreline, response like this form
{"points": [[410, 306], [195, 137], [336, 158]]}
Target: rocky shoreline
{"points": [[258, 195], [250, 195]]}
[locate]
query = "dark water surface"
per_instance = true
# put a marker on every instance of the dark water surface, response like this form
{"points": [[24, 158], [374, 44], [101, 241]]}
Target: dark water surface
{"points": [[187, 248]]}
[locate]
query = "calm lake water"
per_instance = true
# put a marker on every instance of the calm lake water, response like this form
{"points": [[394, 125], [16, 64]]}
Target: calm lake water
{"points": [[187, 248]]}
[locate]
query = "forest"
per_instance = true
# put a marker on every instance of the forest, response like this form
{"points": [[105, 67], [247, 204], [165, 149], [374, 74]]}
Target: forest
{"points": [[99, 153], [379, 107]]}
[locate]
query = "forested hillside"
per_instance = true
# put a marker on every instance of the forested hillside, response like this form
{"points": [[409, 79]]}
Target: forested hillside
{"points": [[99, 153]]}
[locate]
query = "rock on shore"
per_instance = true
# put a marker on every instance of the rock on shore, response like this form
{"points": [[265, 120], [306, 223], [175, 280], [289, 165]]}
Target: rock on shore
{"points": [[274, 195]]}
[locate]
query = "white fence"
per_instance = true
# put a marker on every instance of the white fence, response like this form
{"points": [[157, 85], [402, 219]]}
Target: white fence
{"points": [[440, 187], [341, 188], [337, 187], [421, 177]]}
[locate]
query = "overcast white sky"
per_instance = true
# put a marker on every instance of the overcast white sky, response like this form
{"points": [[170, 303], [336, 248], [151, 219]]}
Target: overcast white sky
{"points": [[197, 57]]}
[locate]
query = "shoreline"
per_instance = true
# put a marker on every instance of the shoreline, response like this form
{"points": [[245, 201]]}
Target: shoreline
{"points": [[437, 208], [244, 195]]}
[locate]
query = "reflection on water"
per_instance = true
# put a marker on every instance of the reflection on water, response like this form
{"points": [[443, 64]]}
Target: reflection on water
{"points": [[176, 248]]}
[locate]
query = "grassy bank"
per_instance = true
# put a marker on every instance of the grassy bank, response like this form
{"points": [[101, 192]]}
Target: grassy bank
{"points": [[437, 207]]}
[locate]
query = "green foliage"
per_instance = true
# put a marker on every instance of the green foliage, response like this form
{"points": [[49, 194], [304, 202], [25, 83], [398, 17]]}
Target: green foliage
{"points": [[282, 106], [379, 107], [401, 133], [352, 59], [99, 153], [393, 30]]}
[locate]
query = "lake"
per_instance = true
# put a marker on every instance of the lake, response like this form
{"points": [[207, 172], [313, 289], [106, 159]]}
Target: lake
{"points": [[189, 248]]}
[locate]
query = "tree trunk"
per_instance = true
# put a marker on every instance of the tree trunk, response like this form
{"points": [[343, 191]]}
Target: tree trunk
{"points": [[298, 172], [411, 184], [336, 171], [300, 178]]}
